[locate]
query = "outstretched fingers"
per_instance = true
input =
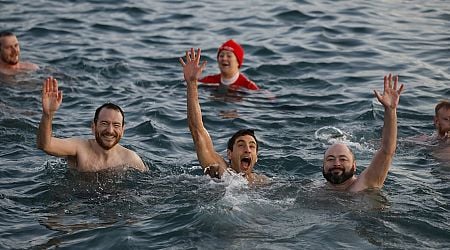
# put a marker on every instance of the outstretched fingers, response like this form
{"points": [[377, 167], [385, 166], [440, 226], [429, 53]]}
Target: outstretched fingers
{"points": [[377, 95], [54, 84], [387, 82], [191, 56], [197, 56], [395, 82], [182, 61], [400, 89], [391, 93]]}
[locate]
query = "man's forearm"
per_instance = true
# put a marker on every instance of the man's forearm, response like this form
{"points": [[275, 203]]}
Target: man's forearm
{"points": [[389, 135], [194, 111], [45, 131]]}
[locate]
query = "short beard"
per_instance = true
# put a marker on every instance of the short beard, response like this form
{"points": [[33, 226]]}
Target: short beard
{"points": [[338, 178], [98, 139], [10, 62]]}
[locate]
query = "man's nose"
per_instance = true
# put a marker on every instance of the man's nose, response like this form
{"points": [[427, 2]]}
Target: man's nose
{"points": [[110, 128]]}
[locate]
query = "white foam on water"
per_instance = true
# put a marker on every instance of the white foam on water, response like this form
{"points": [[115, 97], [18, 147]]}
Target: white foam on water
{"points": [[329, 135]]}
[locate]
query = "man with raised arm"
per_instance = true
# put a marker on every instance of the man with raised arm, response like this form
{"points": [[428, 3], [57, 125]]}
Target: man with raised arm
{"points": [[242, 149], [10, 63], [87, 155], [339, 163]]}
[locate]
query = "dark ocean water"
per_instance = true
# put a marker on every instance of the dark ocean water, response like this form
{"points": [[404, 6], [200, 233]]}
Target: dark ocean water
{"points": [[320, 59]]}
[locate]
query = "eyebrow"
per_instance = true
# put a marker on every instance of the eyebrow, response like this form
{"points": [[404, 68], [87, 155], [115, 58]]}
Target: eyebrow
{"points": [[113, 122], [241, 140], [339, 156]]}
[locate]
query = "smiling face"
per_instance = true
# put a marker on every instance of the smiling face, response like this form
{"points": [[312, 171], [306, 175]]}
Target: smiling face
{"points": [[339, 164], [108, 129], [244, 154], [9, 50], [228, 63], [442, 121]]}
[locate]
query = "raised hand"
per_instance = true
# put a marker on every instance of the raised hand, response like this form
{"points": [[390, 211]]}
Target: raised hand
{"points": [[391, 95], [51, 96], [191, 68]]}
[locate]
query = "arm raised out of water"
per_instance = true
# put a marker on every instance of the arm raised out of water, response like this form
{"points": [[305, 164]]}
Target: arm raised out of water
{"points": [[211, 161], [375, 174], [51, 101]]}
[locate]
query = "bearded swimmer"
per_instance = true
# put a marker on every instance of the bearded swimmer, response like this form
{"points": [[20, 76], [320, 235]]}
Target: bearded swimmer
{"points": [[10, 63], [339, 163]]}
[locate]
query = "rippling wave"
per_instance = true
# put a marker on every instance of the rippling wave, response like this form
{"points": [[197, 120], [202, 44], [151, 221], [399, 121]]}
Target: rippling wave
{"points": [[317, 62]]}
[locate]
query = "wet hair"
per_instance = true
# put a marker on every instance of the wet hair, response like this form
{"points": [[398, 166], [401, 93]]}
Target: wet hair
{"points": [[241, 132], [5, 34], [112, 106], [440, 105]]}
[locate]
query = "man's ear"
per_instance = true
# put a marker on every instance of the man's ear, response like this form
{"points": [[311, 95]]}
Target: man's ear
{"points": [[435, 120], [93, 127], [229, 154]]}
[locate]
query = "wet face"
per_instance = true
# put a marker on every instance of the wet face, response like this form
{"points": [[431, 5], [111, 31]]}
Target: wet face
{"points": [[228, 63], [9, 50], [244, 155], [442, 121], [108, 129], [338, 164]]}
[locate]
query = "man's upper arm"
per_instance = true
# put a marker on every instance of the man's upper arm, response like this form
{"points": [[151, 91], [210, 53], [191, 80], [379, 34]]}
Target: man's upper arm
{"points": [[375, 174], [63, 147], [138, 162], [206, 153]]}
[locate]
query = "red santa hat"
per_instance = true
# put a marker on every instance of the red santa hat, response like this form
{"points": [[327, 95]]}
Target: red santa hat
{"points": [[234, 47]]}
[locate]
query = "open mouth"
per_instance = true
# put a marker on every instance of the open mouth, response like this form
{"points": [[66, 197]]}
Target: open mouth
{"points": [[245, 163]]}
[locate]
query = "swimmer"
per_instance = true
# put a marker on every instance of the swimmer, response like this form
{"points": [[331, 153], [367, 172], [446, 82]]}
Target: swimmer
{"points": [[442, 120], [87, 155], [10, 63], [242, 149], [339, 163], [230, 57]]}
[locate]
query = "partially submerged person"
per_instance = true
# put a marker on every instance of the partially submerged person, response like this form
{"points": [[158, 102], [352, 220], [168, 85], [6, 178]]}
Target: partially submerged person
{"points": [[10, 63], [230, 57], [87, 155], [339, 163], [440, 140], [242, 149], [442, 120]]}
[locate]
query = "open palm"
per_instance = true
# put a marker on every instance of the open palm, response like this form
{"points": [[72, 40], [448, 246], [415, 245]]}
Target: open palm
{"points": [[391, 94], [51, 96], [192, 68]]}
